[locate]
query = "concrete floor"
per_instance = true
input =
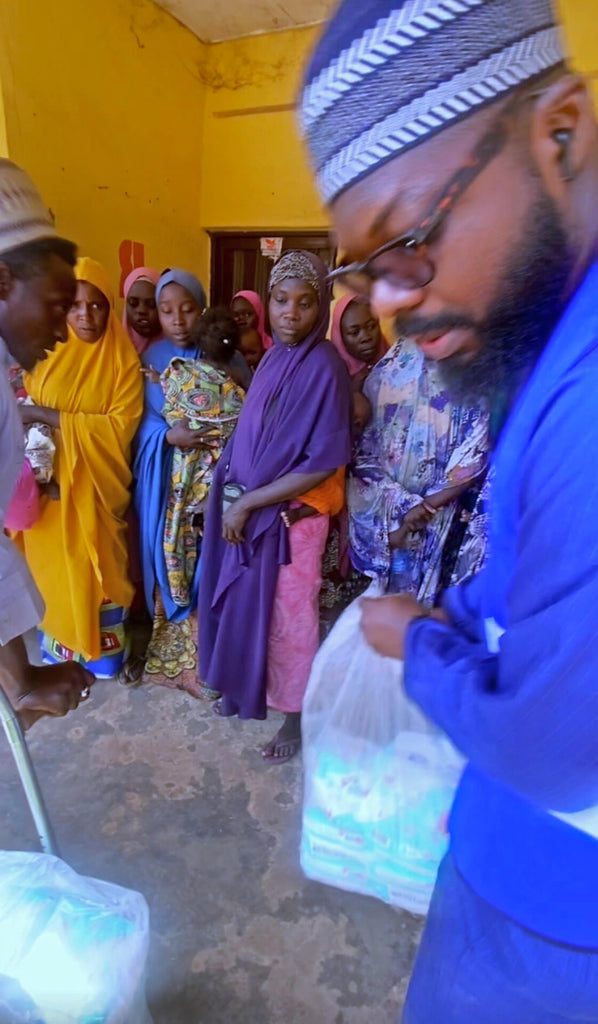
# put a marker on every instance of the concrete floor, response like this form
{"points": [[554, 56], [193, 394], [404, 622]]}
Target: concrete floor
{"points": [[148, 789]]}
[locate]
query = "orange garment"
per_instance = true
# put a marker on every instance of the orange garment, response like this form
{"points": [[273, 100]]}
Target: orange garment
{"points": [[327, 498], [77, 550]]}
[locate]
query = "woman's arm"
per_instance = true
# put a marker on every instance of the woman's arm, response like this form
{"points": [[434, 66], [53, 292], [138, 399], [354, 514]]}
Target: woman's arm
{"points": [[40, 414], [446, 496], [289, 486], [182, 436], [290, 516], [419, 516]]}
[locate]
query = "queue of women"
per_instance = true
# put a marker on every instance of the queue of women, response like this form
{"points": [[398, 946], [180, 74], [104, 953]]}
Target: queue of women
{"points": [[237, 477]]}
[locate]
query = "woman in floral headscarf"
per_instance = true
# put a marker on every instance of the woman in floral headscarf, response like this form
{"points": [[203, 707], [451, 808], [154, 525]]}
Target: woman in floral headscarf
{"points": [[258, 607], [417, 456]]}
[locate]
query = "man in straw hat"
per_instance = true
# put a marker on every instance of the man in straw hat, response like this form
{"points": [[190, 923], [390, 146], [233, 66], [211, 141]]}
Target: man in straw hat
{"points": [[458, 157], [37, 288]]}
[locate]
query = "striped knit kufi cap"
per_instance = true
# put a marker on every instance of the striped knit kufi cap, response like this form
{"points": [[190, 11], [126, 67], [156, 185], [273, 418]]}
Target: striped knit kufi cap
{"points": [[388, 75]]}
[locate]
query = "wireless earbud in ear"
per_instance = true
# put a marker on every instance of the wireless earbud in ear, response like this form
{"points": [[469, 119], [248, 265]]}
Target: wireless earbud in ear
{"points": [[562, 137]]}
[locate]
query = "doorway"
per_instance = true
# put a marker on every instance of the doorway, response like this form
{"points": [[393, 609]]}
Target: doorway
{"points": [[238, 264]]}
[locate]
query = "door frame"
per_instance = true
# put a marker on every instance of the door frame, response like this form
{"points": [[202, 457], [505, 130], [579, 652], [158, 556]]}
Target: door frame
{"points": [[307, 235]]}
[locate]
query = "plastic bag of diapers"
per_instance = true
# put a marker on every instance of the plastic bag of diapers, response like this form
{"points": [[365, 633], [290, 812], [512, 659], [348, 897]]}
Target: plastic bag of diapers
{"points": [[379, 777], [72, 949]]}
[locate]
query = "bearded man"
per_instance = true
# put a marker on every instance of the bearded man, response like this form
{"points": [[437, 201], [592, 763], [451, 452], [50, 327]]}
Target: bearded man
{"points": [[458, 157]]}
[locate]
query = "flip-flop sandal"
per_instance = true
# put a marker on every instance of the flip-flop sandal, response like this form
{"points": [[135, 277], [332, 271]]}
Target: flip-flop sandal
{"points": [[292, 746], [206, 693]]}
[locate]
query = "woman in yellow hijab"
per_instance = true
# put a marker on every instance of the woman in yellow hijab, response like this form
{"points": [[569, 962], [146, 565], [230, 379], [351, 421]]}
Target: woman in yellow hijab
{"points": [[90, 389]]}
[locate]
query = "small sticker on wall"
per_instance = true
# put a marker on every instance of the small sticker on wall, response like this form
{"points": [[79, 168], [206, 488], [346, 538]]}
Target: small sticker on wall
{"points": [[271, 248]]}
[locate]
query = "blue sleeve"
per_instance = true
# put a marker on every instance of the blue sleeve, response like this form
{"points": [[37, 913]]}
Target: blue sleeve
{"points": [[152, 471], [529, 715], [463, 605]]}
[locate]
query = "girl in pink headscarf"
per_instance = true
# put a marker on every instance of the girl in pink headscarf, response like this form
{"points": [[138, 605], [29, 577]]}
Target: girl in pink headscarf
{"points": [[248, 310], [357, 337], [140, 316]]}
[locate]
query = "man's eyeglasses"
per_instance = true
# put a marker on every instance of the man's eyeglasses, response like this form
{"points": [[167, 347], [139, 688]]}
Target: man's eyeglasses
{"points": [[404, 262]]}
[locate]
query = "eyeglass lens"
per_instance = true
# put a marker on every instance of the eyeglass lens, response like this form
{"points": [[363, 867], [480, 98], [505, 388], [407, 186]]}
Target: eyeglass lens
{"points": [[400, 267]]}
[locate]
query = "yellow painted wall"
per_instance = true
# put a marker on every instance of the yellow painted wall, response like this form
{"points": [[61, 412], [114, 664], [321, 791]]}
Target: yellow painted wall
{"points": [[581, 25], [104, 107], [255, 172], [3, 136]]}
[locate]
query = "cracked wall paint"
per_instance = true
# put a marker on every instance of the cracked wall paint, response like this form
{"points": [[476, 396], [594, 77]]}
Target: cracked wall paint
{"points": [[256, 174]]}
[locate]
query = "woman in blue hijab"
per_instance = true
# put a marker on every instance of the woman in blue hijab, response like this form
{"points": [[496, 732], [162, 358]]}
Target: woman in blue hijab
{"points": [[171, 657]]}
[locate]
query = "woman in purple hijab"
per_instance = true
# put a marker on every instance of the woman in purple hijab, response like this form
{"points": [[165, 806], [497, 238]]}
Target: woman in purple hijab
{"points": [[293, 436]]}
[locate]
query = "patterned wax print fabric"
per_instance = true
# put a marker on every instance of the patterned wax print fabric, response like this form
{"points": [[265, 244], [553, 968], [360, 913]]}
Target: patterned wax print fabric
{"points": [[473, 549], [341, 582], [209, 399], [417, 443], [171, 656], [113, 644]]}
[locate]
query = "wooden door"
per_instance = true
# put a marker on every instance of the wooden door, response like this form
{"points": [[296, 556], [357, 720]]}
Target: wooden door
{"points": [[237, 262]]}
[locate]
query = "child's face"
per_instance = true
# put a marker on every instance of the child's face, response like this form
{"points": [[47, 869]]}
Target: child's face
{"points": [[244, 313], [142, 311], [179, 313], [251, 348]]}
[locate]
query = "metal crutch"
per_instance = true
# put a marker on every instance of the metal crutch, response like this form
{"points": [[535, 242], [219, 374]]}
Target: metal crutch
{"points": [[20, 752]]}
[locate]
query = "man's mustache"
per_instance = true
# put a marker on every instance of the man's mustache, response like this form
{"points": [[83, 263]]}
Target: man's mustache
{"points": [[415, 326]]}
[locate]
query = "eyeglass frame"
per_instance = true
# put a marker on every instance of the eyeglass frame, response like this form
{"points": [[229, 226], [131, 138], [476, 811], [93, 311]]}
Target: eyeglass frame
{"points": [[491, 143]]}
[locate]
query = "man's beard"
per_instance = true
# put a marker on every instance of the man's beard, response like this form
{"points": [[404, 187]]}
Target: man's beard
{"points": [[530, 300]]}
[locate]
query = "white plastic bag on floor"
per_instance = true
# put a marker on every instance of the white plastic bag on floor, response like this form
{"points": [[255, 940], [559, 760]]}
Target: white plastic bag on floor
{"points": [[72, 949], [379, 777]]}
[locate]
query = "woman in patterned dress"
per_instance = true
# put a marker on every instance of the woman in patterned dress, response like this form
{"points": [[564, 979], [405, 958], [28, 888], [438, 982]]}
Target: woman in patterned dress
{"points": [[417, 456], [192, 400]]}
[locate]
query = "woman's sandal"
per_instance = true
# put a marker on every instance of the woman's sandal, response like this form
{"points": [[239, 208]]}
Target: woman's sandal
{"points": [[206, 693], [287, 748]]}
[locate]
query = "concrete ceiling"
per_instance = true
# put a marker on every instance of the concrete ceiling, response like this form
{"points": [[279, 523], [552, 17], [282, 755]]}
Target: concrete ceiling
{"points": [[228, 19]]}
